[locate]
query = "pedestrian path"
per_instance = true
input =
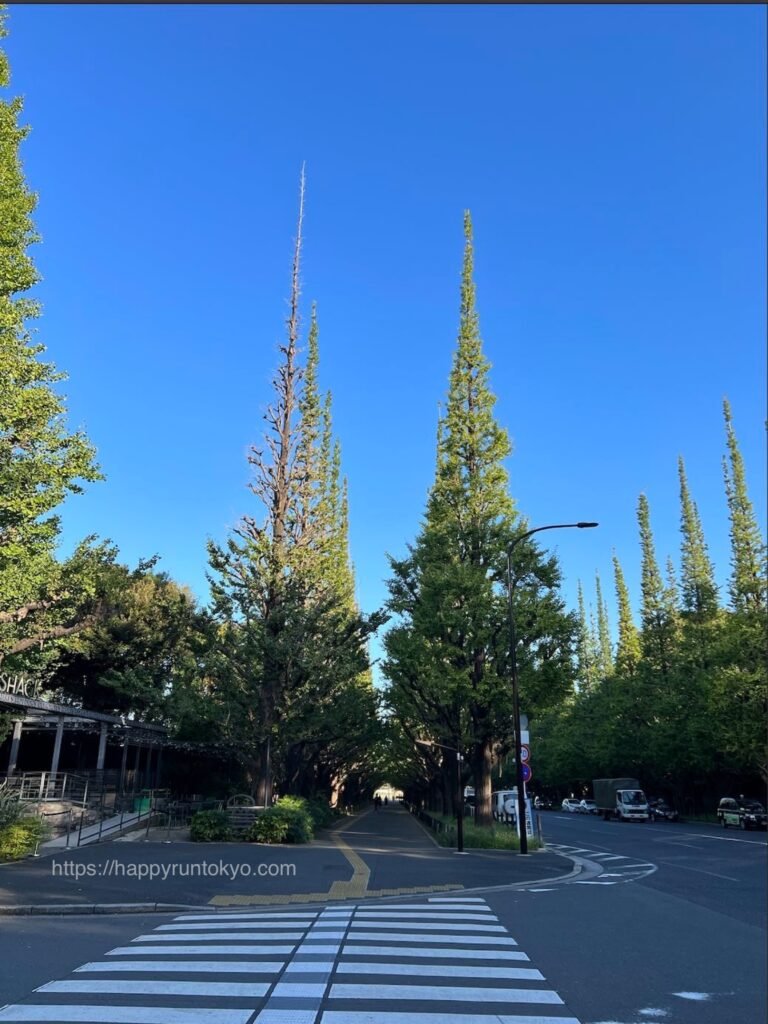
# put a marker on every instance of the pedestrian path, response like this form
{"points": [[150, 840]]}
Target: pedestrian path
{"points": [[437, 960]]}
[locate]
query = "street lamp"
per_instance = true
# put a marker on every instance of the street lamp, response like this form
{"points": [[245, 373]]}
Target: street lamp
{"points": [[459, 792], [521, 819]]}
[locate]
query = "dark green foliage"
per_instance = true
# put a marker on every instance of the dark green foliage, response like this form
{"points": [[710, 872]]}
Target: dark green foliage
{"points": [[270, 826], [289, 821], [20, 837], [41, 462], [210, 827], [320, 812], [686, 706], [447, 659]]}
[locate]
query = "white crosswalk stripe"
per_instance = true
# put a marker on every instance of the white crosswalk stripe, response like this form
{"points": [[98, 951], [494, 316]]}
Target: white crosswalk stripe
{"points": [[417, 963]]}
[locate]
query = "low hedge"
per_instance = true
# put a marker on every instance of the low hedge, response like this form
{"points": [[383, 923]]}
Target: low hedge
{"points": [[289, 821], [293, 819], [210, 827]]}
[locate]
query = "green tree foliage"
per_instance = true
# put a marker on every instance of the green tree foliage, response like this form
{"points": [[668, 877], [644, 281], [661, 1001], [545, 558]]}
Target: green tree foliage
{"points": [[447, 659], [686, 705], [604, 646], [141, 655], [628, 648], [748, 566], [697, 577], [741, 690], [41, 462]]}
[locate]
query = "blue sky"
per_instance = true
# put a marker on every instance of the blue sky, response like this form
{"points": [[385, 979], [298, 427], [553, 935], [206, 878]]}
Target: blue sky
{"points": [[613, 158]]}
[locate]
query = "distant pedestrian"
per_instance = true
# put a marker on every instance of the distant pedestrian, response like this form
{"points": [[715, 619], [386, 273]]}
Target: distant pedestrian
{"points": [[376, 802], [386, 800]]}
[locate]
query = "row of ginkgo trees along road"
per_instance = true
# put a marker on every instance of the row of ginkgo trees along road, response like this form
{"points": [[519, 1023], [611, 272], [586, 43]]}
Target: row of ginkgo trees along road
{"points": [[681, 702]]}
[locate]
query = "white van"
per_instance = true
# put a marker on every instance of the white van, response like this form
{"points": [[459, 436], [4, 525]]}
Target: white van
{"points": [[504, 804]]}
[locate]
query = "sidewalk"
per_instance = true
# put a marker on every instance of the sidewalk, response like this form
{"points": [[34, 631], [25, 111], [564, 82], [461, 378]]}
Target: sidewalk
{"points": [[377, 853], [399, 851]]}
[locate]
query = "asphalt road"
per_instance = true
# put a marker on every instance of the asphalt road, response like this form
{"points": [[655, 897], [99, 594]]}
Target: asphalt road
{"points": [[723, 870], [682, 944], [665, 923]]}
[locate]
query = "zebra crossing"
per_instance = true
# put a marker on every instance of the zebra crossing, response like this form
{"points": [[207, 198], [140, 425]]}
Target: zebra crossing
{"points": [[441, 960], [615, 868]]}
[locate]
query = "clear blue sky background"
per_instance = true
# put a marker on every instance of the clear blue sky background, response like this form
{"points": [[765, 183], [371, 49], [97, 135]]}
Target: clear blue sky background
{"points": [[614, 161]]}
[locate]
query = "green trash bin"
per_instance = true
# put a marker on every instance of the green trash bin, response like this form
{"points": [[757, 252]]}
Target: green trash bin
{"points": [[142, 804]]}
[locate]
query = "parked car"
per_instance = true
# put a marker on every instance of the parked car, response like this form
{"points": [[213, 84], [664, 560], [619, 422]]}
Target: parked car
{"points": [[660, 810], [542, 803], [742, 813], [570, 805], [587, 807]]}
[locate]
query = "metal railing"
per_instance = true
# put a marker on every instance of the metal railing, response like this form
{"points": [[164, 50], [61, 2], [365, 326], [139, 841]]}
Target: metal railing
{"points": [[39, 787], [97, 824]]}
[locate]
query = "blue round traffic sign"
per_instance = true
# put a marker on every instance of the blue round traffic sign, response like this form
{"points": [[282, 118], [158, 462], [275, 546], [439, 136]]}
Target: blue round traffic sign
{"points": [[527, 773]]}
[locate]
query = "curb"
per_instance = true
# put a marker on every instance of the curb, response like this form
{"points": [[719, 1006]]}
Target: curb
{"points": [[53, 909]]}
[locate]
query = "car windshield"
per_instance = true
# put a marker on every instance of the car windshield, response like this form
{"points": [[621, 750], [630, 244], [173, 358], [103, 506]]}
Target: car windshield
{"points": [[633, 796], [752, 805]]}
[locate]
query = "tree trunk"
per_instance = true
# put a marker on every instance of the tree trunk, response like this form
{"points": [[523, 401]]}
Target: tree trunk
{"points": [[483, 766]]}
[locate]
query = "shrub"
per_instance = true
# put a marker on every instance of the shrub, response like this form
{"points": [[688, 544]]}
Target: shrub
{"points": [[210, 827], [270, 826], [21, 837], [322, 815], [11, 808], [294, 818], [293, 809]]}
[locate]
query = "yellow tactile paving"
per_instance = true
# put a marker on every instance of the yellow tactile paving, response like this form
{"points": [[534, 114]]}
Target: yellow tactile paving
{"points": [[252, 899]]}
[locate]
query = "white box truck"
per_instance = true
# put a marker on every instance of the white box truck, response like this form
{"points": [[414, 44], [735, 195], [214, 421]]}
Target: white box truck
{"points": [[622, 799]]}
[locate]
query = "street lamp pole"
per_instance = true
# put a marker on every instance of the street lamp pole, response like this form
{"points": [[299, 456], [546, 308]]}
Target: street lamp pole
{"points": [[459, 791], [521, 818]]}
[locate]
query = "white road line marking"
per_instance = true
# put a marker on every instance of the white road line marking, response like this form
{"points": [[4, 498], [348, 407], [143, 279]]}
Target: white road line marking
{"points": [[226, 989], [446, 905], [729, 839], [375, 1017], [699, 871], [456, 899], [217, 936], [488, 940], [309, 967], [610, 856], [240, 916], [253, 925], [450, 926], [446, 993], [125, 1014], [287, 1017], [437, 954], [187, 966], [437, 915], [208, 950], [442, 970], [298, 990]]}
